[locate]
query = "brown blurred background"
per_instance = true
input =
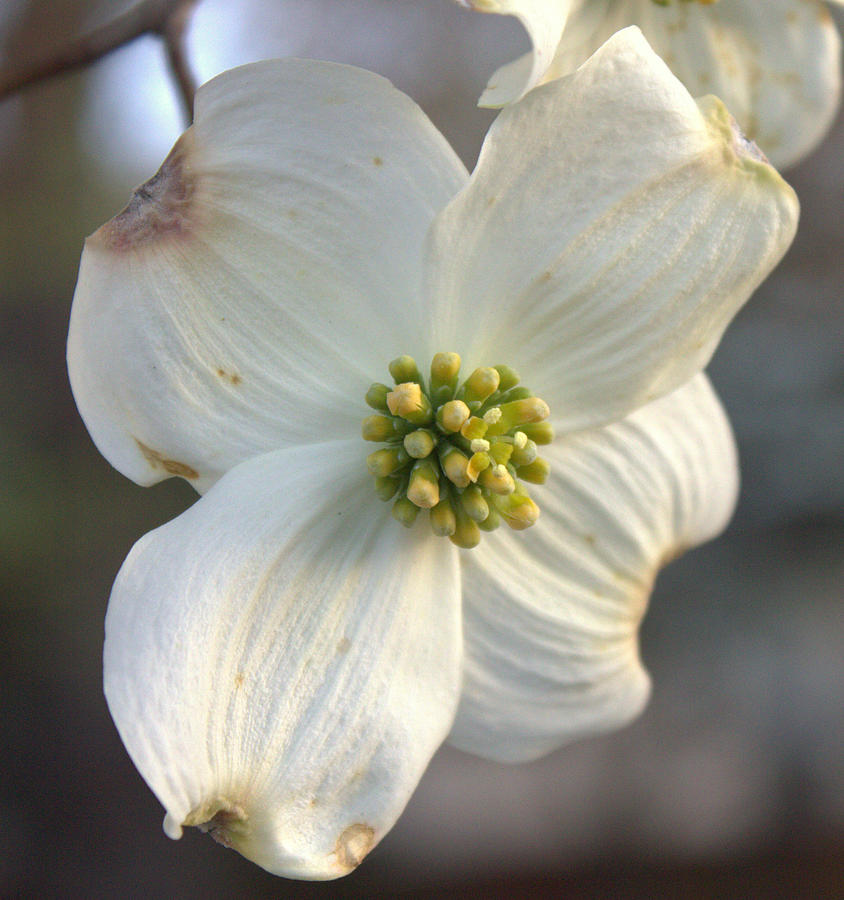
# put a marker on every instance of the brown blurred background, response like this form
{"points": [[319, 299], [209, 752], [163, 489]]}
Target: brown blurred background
{"points": [[732, 782]]}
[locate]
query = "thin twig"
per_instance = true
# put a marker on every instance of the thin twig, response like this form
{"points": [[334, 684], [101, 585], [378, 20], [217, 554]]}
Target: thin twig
{"points": [[167, 18], [173, 32]]}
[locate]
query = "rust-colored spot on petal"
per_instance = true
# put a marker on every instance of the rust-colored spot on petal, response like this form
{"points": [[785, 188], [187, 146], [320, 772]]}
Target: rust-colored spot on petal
{"points": [[171, 466], [161, 207], [377, 161], [231, 377], [353, 845]]}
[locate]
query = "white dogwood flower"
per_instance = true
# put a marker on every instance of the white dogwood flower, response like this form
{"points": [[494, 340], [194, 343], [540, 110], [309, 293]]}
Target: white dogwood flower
{"points": [[283, 659], [776, 64]]}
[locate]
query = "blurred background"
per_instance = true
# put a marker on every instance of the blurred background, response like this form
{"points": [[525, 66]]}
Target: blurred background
{"points": [[732, 782]]}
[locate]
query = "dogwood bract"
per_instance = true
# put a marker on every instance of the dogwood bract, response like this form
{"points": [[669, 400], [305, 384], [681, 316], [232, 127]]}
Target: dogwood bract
{"points": [[283, 659], [776, 64]]}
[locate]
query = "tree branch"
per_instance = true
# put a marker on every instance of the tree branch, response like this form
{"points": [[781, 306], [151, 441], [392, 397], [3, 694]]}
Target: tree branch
{"points": [[174, 31], [167, 18]]}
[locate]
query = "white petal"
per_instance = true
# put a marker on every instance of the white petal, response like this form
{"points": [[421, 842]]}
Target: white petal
{"points": [[610, 232], [775, 64], [544, 21], [251, 291], [551, 614], [282, 660]]}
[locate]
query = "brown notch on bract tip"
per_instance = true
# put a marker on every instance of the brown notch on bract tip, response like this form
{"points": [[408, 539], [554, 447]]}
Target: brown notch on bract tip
{"points": [[160, 207]]}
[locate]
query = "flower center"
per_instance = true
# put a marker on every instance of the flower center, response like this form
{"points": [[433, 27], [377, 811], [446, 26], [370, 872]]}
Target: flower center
{"points": [[461, 452]]}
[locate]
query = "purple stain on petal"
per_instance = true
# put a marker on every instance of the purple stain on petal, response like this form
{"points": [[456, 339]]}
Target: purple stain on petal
{"points": [[160, 207], [744, 146]]}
